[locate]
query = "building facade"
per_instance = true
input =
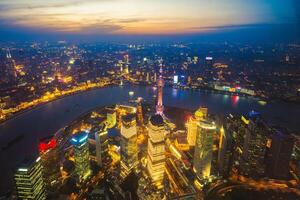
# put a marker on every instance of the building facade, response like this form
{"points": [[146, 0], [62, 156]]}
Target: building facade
{"points": [[156, 149], [280, 154], [204, 149], [50, 160], [101, 139], [81, 155], [29, 180], [192, 125], [129, 145], [225, 154], [253, 162]]}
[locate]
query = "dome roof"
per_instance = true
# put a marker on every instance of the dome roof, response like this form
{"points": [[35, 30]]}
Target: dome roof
{"points": [[157, 120]]}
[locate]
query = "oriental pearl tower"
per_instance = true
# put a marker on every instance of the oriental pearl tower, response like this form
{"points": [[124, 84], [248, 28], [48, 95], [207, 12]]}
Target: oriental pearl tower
{"points": [[160, 85]]}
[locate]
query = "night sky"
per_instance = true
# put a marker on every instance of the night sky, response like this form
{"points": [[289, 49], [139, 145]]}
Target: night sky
{"points": [[82, 18]]}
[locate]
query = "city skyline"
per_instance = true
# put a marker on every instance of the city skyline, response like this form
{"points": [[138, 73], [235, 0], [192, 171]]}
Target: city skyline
{"points": [[77, 18], [150, 100]]}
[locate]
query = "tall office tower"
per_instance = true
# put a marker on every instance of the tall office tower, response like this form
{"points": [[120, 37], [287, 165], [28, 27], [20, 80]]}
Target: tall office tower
{"points": [[296, 152], [147, 77], [129, 146], [201, 113], [209, 61], [160, 85], [101, 146], [204, 149], [50, 160], [139, 112], [154, 77], [254, 148], [122, 110], [189, 81], [225, 154], [9, 70], [192, 126], [29, 180], [280, 154], [156, 149], [126, 59], [121, 68], [126, 70], [111, 118], [81, 155]]}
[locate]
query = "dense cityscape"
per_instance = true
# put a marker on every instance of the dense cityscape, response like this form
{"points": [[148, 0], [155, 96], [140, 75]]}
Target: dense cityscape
{"points": [[149, 100], [35, 73], [118, 151]]}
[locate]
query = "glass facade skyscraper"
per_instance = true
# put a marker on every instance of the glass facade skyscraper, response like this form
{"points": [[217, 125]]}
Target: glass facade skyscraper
{"points": [[81, 155], [29, 180], [129, 146], [204, 149], [156, 149], [50, 160]]}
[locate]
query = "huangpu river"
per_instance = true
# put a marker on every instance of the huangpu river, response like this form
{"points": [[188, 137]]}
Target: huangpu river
{"points": [[46, 119]]}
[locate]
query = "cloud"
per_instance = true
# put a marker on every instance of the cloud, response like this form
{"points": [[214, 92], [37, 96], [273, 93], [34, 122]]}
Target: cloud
{"points": [[10, 5], [131, 16], [240, 26]]}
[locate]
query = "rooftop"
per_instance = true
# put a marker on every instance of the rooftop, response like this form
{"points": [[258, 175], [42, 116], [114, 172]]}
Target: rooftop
{"points": [[157, 120], [27, 163], [79, 138], [128, 118]]}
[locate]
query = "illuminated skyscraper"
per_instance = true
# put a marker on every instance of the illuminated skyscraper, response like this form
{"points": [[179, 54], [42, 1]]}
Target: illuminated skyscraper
{"points": [[111, 118], [10, 74], [225, 154], [140, 118], [126, 59], [101, 146], [160, 85], [81, 155], [192, 125], [254, 148], [147, 77], [156, 149], [129, 146], [50, 160], [29, 180], [204, 149], [280, 154], [123, 110]]}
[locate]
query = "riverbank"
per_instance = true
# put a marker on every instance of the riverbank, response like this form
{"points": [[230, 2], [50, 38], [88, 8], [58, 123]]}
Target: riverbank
{"points": [[16, 114]]}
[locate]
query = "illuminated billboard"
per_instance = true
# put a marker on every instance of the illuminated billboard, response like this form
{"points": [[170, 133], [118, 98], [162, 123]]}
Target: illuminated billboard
{"points": [[209, 58], [175, 81]]}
